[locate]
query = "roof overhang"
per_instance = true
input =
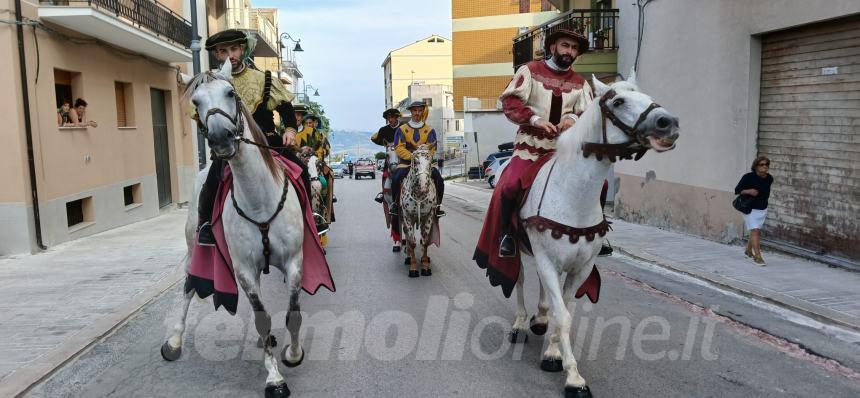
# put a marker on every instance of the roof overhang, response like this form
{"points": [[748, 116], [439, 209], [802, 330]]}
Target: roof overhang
{"points": [[110, 29], [263, 48]]}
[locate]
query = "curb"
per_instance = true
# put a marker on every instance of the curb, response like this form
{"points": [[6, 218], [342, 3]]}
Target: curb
{"points": [[23, 379], [811, 310]]}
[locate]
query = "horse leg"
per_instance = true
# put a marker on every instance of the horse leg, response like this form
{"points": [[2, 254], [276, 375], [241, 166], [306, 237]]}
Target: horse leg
{"points": [[574, 384], [171, 350], [539, 321], [276, 386], [518, 331], [293, 355], [425, 243]]}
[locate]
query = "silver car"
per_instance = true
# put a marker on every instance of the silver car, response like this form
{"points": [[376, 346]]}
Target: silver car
{"points": [[495, 169], [337, 170]]}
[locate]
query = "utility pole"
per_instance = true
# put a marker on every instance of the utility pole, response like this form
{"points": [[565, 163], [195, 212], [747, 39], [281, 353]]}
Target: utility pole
{"points": [[195, 68]]}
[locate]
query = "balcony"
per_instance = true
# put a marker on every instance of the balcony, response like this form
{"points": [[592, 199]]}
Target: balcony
{"points": [[141, 26], [267, 35], [598, 25]]}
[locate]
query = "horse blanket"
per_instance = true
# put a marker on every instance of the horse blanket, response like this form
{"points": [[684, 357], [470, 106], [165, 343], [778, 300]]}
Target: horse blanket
{"points": [[211, 270]]}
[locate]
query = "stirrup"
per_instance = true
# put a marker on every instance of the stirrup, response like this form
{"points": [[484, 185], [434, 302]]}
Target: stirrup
{"points": [[508, 246], [440, 213], [379, 198], [205, 237], [605, 250]]}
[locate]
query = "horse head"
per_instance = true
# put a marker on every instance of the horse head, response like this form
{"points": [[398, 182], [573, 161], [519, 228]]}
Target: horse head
{"points": [[630, 117], [421, 167], [392, 158], [220, 114]]}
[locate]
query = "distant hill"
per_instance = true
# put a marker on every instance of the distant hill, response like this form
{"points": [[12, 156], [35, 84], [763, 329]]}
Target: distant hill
{"points": [[356, 143]]}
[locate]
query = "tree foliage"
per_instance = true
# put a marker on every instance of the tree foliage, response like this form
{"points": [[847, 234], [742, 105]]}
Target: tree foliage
{"points": [[380, 155]]}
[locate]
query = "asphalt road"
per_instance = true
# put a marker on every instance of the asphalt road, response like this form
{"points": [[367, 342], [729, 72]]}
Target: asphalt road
{"points": [[383, 334]]}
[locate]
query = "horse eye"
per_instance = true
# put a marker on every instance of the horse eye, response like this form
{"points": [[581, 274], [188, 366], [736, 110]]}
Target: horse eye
{"points": [[618, 102], [231, 93], [195, 103]]}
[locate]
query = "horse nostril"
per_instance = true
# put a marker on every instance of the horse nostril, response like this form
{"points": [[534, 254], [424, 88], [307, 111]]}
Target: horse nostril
{"points": [[663, 123]]}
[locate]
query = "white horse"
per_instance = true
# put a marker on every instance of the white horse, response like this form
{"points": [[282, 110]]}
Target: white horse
{"points": [[418, 208], [258, 185], [621, 122], [392, 160]]}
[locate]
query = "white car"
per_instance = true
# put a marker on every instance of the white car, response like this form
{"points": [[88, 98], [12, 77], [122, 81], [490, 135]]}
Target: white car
{"points": [[337, 169], [495, 169]]}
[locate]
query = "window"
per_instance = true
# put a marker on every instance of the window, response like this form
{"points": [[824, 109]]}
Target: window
{"points": [[131, 194], [524, 6], [447, 125], [428, 101], [545, 5], [79, 211], [124, 104], [67, 86], [457, 125]]}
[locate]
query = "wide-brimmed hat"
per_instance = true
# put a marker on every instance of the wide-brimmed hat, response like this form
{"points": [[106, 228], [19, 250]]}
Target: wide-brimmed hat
{"points": [[565, 32], [227, 36], [417, 104], [309, 117], [390, 112], [300, 108]]}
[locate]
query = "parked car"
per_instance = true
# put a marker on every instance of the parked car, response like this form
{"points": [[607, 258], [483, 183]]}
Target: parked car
{"points": [[494, 155], [495, 169], [338, 170], [364, 168]]}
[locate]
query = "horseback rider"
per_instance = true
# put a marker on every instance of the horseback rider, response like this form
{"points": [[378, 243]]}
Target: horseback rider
{"points": [[263, 95], [407, 138], [310, 136], [385, 137], [545, 98]]}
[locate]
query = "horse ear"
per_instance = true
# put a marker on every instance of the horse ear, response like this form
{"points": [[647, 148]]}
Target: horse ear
{"points": [[631, 78], [226, 70], [185, 79], [599, 87]]}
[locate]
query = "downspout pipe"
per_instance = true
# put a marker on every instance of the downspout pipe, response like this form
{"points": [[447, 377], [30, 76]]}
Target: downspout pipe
{"points": [[28, 125]]}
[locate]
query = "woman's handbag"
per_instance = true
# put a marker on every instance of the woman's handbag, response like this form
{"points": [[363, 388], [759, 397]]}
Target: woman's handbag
{"points": [[743, 203]]}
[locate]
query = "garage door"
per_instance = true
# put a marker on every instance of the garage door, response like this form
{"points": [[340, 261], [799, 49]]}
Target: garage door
{"points": [[808, 126]]}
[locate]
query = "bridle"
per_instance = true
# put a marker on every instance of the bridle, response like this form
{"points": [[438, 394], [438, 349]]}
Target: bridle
{"points": [[626, 150], [238, 120]]}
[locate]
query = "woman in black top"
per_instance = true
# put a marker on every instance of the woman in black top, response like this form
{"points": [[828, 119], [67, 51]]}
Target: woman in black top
{"points": [[756, 184]]}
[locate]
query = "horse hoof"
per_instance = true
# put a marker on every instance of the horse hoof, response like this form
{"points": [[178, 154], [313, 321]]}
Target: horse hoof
{"points": [[407, 261], [537, 328], [289, 364], [551, 365], [518, 336], [279, 391], [395, 249], [413, 273], [426, 272], [577, 392], [169, 353], [273, 342]]}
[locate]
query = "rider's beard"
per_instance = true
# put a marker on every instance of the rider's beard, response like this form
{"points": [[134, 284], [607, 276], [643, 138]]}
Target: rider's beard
{"points": [[563, 61]]}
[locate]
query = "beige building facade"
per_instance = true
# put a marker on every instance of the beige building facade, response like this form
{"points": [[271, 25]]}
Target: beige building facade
{"points": [[745, 78], [140, 158], [426, 61]]}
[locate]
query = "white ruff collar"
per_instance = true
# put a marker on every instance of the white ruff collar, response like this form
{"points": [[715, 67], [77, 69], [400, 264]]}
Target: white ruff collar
{"points": [[416, 125]]}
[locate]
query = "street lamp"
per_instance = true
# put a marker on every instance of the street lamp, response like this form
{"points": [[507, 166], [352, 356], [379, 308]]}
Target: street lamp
{"points": [[316, 90], [298, 47]]}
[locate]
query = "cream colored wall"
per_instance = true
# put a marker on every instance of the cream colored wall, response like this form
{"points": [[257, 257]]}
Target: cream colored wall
{"points": [[708, 77], [430, 61], [79, 162]]}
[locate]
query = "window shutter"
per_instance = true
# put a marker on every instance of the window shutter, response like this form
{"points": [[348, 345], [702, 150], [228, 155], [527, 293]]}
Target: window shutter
{"points": [[121, 119]]}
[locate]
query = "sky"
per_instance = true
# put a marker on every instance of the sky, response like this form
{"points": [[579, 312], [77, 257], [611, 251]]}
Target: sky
{"points": [[345, 43]]}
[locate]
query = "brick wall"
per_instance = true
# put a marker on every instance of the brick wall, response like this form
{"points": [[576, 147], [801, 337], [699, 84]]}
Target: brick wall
{"points": [[483, 46], [479, 87]]}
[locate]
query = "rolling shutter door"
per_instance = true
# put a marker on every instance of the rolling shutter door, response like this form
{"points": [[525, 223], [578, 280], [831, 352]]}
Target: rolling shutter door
{"points": [[808, 125]]}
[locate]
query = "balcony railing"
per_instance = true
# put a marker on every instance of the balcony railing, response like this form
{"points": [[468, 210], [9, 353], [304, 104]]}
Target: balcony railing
{"points": [[148, 14], [597, 25]]}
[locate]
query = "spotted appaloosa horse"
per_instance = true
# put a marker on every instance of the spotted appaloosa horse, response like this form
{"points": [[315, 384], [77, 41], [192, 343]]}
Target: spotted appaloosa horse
{"points": [[418, 207]]}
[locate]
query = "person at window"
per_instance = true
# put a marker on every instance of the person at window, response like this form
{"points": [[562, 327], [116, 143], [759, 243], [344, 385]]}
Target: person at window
{"points": [[756, 184], [64, 114], [78, 114]]}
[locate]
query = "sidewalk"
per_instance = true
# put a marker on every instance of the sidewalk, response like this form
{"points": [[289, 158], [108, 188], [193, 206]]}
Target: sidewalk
{"points": [[815, 289], [55, 304]]}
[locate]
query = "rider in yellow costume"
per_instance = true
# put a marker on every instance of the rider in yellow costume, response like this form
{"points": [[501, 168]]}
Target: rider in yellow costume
{"points": [[407, 138], [311, 137]]}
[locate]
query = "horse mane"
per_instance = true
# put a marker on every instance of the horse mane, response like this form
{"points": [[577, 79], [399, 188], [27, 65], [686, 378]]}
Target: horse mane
{"points": [[256, 135]]}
